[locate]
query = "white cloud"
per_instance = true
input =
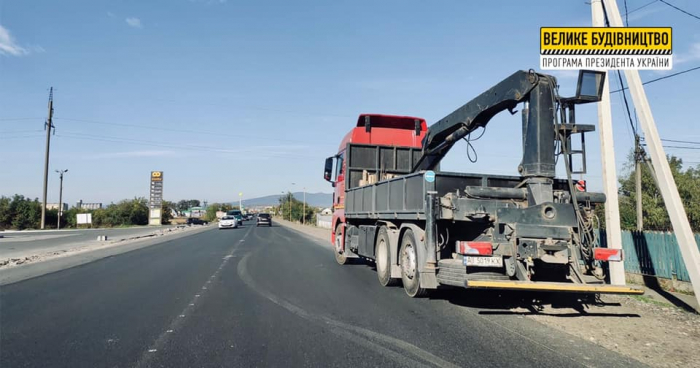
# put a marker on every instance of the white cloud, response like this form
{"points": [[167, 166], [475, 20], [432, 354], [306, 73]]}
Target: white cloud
{"points": [[693, 54], [134, 22], [8, 46], [130, 154], [110, 14]]}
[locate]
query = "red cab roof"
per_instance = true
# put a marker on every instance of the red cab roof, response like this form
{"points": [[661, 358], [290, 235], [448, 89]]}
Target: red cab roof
{"points": [[387, 130]]}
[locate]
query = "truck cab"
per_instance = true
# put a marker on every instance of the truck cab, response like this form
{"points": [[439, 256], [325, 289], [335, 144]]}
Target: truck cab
{"points": [[374, 134]]}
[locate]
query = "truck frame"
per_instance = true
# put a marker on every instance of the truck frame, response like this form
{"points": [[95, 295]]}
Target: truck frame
{"points": [[427, 229]]}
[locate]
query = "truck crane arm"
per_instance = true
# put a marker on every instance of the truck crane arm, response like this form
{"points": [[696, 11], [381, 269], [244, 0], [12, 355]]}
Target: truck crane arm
{"points": [[476, 113]]}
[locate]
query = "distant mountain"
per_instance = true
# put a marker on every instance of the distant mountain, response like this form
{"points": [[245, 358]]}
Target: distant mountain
{"points": [[312, 199]]}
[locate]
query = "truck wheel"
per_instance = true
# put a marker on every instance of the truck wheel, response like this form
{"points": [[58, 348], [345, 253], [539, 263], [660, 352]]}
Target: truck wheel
{"points": [[339, 253], [382, 258], [410, 273]]}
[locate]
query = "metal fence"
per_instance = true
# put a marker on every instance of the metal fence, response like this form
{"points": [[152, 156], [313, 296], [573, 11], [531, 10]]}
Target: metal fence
{"points": [[324, 221], [653, 253]]}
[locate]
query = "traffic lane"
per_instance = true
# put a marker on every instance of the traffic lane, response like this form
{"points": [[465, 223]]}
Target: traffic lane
{"points": [[283, 300], [233, 326], [14, 243], [353, 295], [504, 311], [107, 312]]}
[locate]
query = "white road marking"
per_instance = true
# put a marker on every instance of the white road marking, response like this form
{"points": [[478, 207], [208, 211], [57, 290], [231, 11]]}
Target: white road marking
{"points": [[383, 344], [162, 339]]}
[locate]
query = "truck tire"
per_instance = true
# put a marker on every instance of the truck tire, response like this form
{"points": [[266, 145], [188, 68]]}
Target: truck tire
{"points": [[410, 272], [339, 255], [382, 258]]}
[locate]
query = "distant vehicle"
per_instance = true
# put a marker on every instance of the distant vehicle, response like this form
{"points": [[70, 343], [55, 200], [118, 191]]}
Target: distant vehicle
{"points": [[237, 214], [228, 222], [195, 221], [264, 219]]}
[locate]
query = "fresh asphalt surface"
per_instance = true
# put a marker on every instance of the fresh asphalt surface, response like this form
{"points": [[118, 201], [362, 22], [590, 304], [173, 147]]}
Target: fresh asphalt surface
{"points": [[252, 297], [16, 242]]}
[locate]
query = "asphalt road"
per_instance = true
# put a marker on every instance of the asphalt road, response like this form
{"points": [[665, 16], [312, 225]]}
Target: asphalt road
{"points": [[252, 297]]}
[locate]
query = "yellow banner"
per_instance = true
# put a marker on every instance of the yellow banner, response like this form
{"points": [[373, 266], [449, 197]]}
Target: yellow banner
{"points": [[606, 41]]}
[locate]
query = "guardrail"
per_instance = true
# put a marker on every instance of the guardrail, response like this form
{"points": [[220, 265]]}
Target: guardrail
{"points": [[324, 221]]}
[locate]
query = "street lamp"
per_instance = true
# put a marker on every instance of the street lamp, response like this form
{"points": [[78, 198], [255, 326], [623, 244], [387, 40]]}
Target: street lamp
{"points": [[60, 198]]}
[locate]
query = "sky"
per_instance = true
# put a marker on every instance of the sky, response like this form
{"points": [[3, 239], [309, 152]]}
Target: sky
{"points": [[249, 97]]}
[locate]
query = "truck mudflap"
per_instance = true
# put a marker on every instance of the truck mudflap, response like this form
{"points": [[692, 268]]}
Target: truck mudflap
{"points": [[553, 286]]}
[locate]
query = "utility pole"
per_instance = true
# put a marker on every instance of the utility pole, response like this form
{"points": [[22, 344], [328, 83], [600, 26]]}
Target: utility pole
{"points": [[60, 198], [49, 127], [638, 157], [291, 195], [303, 214], [240, 202], [281, 204], [607, 154], [668, 188]]}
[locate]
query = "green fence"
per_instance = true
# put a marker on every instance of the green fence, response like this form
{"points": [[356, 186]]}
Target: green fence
{"points": [[653, 253]]}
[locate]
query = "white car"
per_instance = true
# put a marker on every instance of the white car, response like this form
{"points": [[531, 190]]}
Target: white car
{"points": [[228, 222]]}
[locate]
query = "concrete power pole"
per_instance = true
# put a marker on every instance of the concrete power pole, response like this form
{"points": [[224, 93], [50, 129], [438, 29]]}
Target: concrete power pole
{"points": [[60, 198], [612, 208], [638, 182], [303, 214], [667, 187], [49, 127]]}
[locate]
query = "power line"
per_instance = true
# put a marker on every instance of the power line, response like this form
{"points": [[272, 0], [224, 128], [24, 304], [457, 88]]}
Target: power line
{"points": [[21, 137], [17, 119], [681, 147], [661, 78], [212, 149], [19, 131], [260, 108], [177, 130], [627, 106], [677, 141], [627, 22], [680, 10], [642, 7]]}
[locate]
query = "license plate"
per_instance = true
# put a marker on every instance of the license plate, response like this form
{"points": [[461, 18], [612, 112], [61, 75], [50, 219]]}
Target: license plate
{"points": [[496, 261]]}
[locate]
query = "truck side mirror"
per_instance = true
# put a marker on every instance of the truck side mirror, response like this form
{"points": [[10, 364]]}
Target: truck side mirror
{"points": [[328, 169]]}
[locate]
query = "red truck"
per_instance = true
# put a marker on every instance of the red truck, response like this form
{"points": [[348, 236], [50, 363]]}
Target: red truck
{"points": [[426, 228]]}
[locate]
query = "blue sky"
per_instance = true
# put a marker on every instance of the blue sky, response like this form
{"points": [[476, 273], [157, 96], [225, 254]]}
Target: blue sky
{"points": [[233, 96]]}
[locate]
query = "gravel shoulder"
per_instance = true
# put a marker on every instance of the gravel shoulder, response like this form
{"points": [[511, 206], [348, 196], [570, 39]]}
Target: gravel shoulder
{"points": [[648, 330]]}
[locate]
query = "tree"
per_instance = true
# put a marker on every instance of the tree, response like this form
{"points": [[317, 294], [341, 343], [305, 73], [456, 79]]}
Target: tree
{"points": [[185, 204], [26, 214], [297, 209], [653, 207], [166, 214], [214, 207]]}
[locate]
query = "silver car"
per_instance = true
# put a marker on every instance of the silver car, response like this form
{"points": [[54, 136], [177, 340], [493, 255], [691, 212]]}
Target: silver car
{"points": [[228, 222]]}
